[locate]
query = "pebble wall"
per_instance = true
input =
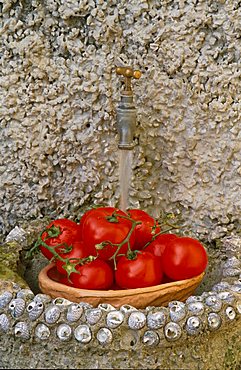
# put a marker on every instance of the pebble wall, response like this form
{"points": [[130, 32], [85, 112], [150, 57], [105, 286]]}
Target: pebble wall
{"points": [[59, 93]]}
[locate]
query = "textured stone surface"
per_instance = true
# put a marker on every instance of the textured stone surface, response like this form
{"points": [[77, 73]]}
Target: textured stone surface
{"points": [[59, 92]]}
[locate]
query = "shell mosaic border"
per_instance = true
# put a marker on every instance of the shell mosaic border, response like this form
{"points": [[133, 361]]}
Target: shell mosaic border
{"points": [[27, 316]]}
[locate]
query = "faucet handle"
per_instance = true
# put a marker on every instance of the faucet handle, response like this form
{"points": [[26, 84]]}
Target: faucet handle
{"points": [[128, 73]]}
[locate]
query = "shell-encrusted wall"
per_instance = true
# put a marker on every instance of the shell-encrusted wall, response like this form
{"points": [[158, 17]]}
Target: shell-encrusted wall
{"points": [[59, 92]]}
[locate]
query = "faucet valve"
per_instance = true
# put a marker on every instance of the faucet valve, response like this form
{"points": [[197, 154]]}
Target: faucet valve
{"points": [[128, 73], [126, 111]]}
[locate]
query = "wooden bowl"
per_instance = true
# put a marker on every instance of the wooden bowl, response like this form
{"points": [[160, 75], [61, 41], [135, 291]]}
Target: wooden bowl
{"points": [[158, 295]]}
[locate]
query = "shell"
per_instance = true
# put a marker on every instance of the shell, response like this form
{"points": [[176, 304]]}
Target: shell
{"points": [[214, 303], [44, 298], [126, 309], [230, 313], [61, 303], [74, 312], [5, 298], [193, 325], [214, 321], [232, 262], [150, 338], [104, 336], [236, 287], [64, 332], [136, 320], [93, 315], [229, 272], [25, 294], [114, 319], [21, 330], [172, 331], [42, 331], [177, 310], [17, 307], [227, 297], [83, 333], [106, 307], [4, 323], [34, 310], [196, 308], [238, 306], [222, 286], [156, 320], [194, 298], [52, 314]]}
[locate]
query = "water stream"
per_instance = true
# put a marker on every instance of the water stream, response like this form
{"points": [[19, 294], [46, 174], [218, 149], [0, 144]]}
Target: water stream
{"points": [[125, 173]]}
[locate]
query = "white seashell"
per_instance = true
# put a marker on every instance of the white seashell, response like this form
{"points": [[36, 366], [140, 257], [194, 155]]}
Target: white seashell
{"points": [[236, 287], [230, 272], [194, 298], [219, 287], [150, 338], [74, 312], [64, 332], [214, 303], [61, 302], [196, 308], [227, 297], [172, 331], [214, 321], [232, 262], [4, 323], [156, 320], [114, 319], [52, 314], [238, 306], [83, 333], [16, 307], [104, 336], [42, 331], [126, 308], [177, 310], [34, 310], [25, 294], [5, 298], [136, 320], [193, 325], [230, 313], [106, 307], [21, 330], [44, 298], [93, 315]]}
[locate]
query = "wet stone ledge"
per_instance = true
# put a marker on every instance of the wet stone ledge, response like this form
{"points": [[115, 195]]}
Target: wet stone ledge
{"points": [[203, 332]]}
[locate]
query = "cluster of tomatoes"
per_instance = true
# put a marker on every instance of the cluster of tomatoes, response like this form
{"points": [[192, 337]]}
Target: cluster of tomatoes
{"points": [[112, 249]]}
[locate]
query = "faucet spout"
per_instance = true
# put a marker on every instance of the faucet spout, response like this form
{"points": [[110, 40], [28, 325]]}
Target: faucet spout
{"points": [[126, 122], [126, 111]]}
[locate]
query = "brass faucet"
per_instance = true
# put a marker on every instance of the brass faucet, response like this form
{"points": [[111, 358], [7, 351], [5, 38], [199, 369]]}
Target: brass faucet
{"points": [[126, 111]]}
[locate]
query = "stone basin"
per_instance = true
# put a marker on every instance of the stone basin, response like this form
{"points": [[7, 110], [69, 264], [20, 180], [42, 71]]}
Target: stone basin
{"points": [[203, 332]]}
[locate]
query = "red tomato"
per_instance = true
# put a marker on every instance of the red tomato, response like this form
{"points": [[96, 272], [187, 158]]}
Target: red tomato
{"points": [[144, 231], [142, 271], [79, 250], [96, 275], [100, 226], [184, 258], [61, 232], [158, 245], [64, 280]]}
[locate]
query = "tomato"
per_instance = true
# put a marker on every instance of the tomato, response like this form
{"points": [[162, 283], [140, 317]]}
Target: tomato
{"points": [[146, 229], [96, 275], [158, 245], [184, 258], [60, 234], [100, 225], [142, 271], [79, 250]]}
